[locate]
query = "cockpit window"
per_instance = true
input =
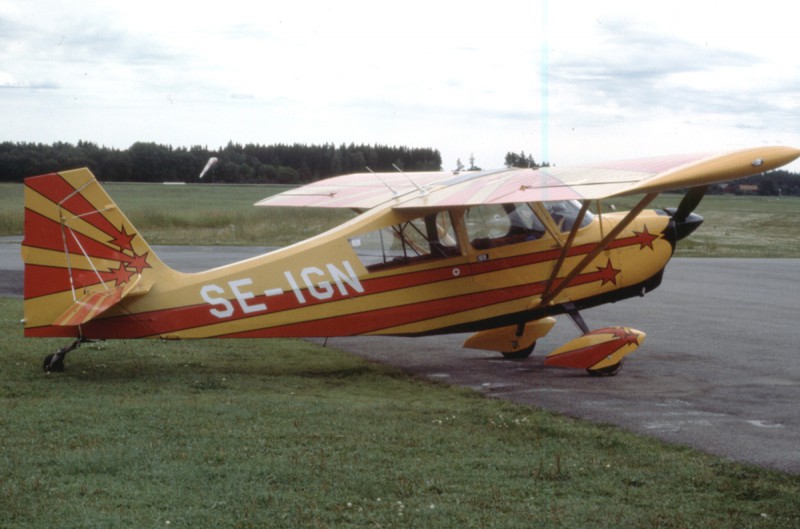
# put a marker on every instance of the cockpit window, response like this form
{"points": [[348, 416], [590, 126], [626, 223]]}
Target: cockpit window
{"points": [[565, 212], [419, 239], [490, 225]]}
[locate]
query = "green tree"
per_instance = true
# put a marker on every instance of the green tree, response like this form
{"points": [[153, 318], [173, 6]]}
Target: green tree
{"points": [[152, 162]]}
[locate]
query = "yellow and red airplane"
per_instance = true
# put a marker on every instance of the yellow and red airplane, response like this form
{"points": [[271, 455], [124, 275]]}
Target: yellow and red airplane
{"points": [[495, 253]]}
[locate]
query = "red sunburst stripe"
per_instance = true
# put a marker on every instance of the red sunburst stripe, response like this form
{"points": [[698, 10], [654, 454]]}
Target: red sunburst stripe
{"points": [[56, 189], [41, 280], [60, 192], [42, 232], [45, 233], [45, 280]]}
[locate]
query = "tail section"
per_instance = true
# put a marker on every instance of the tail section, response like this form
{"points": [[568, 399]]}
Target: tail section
{"points": [[81, 254]]}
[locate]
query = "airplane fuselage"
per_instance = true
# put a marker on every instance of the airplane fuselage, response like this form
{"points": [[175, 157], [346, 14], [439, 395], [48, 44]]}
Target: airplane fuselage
{"points": [[337, 284]]}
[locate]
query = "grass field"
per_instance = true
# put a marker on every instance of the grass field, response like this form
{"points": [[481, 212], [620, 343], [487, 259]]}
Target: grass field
{"points": [[282, 433], [209, 214], [740, 226], [197, 214]]}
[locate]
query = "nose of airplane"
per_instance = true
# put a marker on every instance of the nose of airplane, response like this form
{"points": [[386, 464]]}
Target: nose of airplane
{"points": [[684, 227], [683, 220], [680, 226]]}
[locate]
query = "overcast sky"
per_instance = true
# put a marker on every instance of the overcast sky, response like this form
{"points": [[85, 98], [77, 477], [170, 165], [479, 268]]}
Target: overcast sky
{"points": [[568, 81]]}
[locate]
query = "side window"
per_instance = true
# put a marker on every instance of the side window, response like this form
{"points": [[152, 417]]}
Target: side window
{"points": [[420, 239], [565, 212], [491, 225]]}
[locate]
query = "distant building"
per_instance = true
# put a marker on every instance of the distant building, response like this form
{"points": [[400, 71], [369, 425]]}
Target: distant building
{"points": [[741, 189]]}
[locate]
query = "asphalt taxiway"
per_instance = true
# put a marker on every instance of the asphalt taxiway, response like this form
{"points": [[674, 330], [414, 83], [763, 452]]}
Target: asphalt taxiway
{"points": [[719, 371]]}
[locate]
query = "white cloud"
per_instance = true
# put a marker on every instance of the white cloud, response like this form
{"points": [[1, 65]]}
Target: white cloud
{"points": [[615, 79]]}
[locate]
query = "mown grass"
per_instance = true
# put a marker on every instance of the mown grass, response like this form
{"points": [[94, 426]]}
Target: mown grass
{"points": [[738, 226], [283, 433], [224, 214]]}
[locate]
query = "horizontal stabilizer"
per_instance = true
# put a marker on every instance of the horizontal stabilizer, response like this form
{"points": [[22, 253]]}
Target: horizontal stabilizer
{"points": [[94, 303]]}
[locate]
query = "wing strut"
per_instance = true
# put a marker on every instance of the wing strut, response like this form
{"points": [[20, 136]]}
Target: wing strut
{"points": [[422, 191], [565, 248], [557, 286], [393, 190]]}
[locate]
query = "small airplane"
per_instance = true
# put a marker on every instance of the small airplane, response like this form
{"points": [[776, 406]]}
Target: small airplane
{"points": [[495, 253]]}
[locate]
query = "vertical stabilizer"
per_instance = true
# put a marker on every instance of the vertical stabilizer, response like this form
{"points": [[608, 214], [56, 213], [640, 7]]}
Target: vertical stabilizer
{"points": [[81, 254]]}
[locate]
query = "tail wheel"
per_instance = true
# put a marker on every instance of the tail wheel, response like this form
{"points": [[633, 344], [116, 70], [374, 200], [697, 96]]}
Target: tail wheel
{"points": [[521, 354], [54, 363]]}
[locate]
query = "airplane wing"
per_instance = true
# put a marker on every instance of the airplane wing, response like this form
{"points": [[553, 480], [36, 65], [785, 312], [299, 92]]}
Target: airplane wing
{"points": [[357, 191], [585, 182]]}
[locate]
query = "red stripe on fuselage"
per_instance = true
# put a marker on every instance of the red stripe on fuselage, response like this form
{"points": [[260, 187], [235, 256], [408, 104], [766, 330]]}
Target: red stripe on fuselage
{"points": [[170, 321], [381, 319]]}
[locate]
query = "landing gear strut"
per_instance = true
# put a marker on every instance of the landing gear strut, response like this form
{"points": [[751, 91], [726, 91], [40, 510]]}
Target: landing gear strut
{"points": [[608, 371], [54, 363]]}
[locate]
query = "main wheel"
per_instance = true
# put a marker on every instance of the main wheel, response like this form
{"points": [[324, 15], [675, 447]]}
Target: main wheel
{"points": [[520, 354], [54, 363], [608, 371]]}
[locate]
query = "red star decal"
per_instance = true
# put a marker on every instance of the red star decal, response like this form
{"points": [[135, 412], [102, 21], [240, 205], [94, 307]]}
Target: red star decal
{"points": [[121, 275], [123, 239], [139, 262], [608, 273], [626, 336], [645, 238]]}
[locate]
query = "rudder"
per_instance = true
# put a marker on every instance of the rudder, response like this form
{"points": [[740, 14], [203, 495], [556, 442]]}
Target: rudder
{"points": [[81, 254]]}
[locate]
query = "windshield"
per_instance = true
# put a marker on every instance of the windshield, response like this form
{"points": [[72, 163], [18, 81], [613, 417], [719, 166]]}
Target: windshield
{"points": [[565, 212], [491, 225]]}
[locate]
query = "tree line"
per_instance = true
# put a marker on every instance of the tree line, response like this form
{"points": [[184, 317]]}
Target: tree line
{"points": [[775, 183], [523, 160], [254, 163], [250, 163]]}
